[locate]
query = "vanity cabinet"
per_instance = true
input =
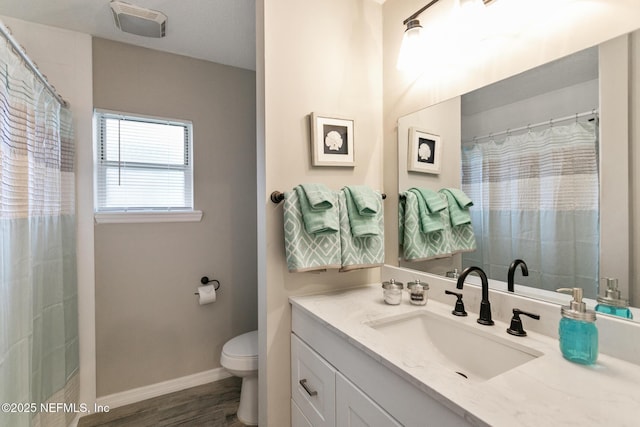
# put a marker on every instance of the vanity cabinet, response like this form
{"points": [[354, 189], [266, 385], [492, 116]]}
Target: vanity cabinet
{"points": [[323, 397], [313, 384], [335, 383], [354, 408], [297, 417]]}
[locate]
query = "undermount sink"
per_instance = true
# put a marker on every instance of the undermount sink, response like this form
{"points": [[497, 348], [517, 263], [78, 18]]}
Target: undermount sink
{"points": [[467, 349]]}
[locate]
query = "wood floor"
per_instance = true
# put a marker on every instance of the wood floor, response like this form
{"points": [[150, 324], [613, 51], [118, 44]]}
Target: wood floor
{"points": [[211, 405]]}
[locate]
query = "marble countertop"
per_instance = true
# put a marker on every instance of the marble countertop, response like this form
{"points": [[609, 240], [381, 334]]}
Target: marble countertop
{"points": [[548, 390]]}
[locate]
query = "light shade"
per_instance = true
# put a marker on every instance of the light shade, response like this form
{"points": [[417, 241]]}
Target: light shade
{"points": [[412, 52]]}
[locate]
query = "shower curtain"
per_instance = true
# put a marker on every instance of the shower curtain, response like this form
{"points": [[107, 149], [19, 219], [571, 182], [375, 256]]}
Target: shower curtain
{"points": [[38, 290], [536, 198]]}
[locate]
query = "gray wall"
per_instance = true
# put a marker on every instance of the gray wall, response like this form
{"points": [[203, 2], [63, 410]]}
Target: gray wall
{"points": [[149, 326]]}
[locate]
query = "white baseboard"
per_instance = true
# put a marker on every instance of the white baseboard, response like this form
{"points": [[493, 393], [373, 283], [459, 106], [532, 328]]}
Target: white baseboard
{"points": [[154, 390]]}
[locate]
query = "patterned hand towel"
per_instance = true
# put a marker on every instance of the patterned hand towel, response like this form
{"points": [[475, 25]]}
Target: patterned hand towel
{"points": [[319, 208], [419, 246], [305, 251], [430, 205], [458, 226], [402, 200], [362, 225], [459, 205], [364, 251]]}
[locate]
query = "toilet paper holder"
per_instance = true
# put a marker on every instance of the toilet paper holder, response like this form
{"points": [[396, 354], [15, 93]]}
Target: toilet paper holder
{"points": [[205, 281]]}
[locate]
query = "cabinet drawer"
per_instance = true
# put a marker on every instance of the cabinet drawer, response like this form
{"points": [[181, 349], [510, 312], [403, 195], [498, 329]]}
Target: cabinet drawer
{"points": [[313, 384]]}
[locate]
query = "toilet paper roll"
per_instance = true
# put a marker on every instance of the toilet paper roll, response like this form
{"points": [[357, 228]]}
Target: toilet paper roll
{"points": [[207, 294]]}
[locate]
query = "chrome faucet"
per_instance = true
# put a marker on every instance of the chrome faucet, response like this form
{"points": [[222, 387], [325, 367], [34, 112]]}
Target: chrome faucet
{"points": [[512, 271], [485, 306]]}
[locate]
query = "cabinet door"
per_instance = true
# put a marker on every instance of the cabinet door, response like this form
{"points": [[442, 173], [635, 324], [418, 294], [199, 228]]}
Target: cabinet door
{"points": [[313, 384], [297, 417], [356, 409]]}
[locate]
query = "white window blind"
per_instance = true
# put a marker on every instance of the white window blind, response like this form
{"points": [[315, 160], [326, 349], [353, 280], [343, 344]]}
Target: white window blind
{"points": [[143, 164]]}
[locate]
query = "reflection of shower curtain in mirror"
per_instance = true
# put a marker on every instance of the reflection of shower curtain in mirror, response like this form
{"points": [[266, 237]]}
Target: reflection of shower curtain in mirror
{"points": [[536, 198], [38, 291]]}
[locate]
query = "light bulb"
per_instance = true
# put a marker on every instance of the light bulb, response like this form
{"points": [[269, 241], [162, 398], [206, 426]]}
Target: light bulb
{"points": [[412, 52]]}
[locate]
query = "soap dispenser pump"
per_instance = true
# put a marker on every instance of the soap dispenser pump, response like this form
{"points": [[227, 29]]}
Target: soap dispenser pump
{"points": [[578, 332], [612, 302]]}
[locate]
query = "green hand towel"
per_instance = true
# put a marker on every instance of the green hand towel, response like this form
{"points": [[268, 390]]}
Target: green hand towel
{"points": [[459, 204], [304, 251], [429, 210], [419, 246], [361, 225], [319, 221], [367, 201], [432, 199], [359, 252], [319, 196]]}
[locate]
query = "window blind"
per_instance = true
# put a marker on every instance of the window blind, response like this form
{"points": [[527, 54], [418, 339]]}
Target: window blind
{"points": [[143, 164]]}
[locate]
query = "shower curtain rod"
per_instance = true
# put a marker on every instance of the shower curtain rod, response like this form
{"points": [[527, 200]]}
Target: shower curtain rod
{"points": [[20, 51], [549, 122]]}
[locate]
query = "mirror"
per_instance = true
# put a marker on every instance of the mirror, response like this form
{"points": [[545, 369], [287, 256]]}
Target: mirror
{"points": [[508, 108]]}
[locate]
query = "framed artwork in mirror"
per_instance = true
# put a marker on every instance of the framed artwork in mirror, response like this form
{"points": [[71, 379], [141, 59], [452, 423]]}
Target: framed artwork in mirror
{"points": [[332, 142], [425, 151]]}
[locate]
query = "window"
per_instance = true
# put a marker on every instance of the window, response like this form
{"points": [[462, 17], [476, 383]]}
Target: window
{"points": [[144, 165]]}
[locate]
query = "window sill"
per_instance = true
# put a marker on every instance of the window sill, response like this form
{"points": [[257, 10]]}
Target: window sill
{"points": [[146, 217]]}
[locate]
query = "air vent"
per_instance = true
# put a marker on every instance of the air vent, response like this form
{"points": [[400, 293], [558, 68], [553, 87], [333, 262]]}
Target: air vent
{"points": [[138, 20]]}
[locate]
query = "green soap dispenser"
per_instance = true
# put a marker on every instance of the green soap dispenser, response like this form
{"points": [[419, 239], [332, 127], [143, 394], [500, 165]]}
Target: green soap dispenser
{"points": [[611, 302], [578, 332]]}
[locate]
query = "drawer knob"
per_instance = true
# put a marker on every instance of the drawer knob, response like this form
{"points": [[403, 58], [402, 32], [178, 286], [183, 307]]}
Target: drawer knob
{"points": [[303, 383]]}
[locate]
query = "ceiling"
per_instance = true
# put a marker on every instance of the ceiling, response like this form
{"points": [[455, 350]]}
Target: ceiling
{"points": [[221, 31]]}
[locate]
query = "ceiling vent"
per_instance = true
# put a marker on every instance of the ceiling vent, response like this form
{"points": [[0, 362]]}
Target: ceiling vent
{"points": [[138, 20]]}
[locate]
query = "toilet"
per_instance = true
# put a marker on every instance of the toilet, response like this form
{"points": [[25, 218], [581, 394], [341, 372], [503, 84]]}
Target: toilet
{"points": [[240, 358]]}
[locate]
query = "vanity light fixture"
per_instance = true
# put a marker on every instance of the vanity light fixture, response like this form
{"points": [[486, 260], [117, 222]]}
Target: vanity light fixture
{"points": [[412, 48], [412, 45]]}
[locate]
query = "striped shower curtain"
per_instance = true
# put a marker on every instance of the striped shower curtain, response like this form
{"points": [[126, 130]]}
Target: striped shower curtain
{"points": [[38, 289], [536, 198]]}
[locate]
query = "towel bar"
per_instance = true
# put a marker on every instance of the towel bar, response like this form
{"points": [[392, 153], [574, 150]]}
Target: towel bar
{"points": [[277, 196]]}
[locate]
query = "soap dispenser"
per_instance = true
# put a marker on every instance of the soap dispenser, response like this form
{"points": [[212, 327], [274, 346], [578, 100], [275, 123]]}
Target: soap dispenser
{"points": [[578, 332], [611, 302]]}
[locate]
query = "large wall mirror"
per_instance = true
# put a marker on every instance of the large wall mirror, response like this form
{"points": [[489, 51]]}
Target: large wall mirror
{"points": [[569, 121]]}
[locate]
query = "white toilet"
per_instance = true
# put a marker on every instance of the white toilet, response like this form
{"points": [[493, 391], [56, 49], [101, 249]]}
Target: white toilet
{"points": [[240, 357]]}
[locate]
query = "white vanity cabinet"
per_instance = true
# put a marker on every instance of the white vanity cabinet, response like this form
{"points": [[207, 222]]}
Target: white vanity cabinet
{"points": [[354, 408], [323, 397], [335, 383], [313, 384]]}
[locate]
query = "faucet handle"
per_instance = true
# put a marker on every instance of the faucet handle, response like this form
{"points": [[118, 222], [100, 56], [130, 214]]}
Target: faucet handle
{"points": [[459, 308], [516, 324]]}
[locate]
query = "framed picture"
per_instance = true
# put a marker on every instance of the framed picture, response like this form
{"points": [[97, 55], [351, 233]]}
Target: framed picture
{"points": [[425, 151], [332, 141]]}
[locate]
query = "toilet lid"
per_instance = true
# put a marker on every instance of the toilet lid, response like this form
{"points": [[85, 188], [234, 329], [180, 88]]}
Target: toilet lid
{"points": [[245, 345]]}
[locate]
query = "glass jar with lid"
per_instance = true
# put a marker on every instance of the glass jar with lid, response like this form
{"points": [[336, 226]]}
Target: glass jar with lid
{"points": [[392, 292], [418, 292]]}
